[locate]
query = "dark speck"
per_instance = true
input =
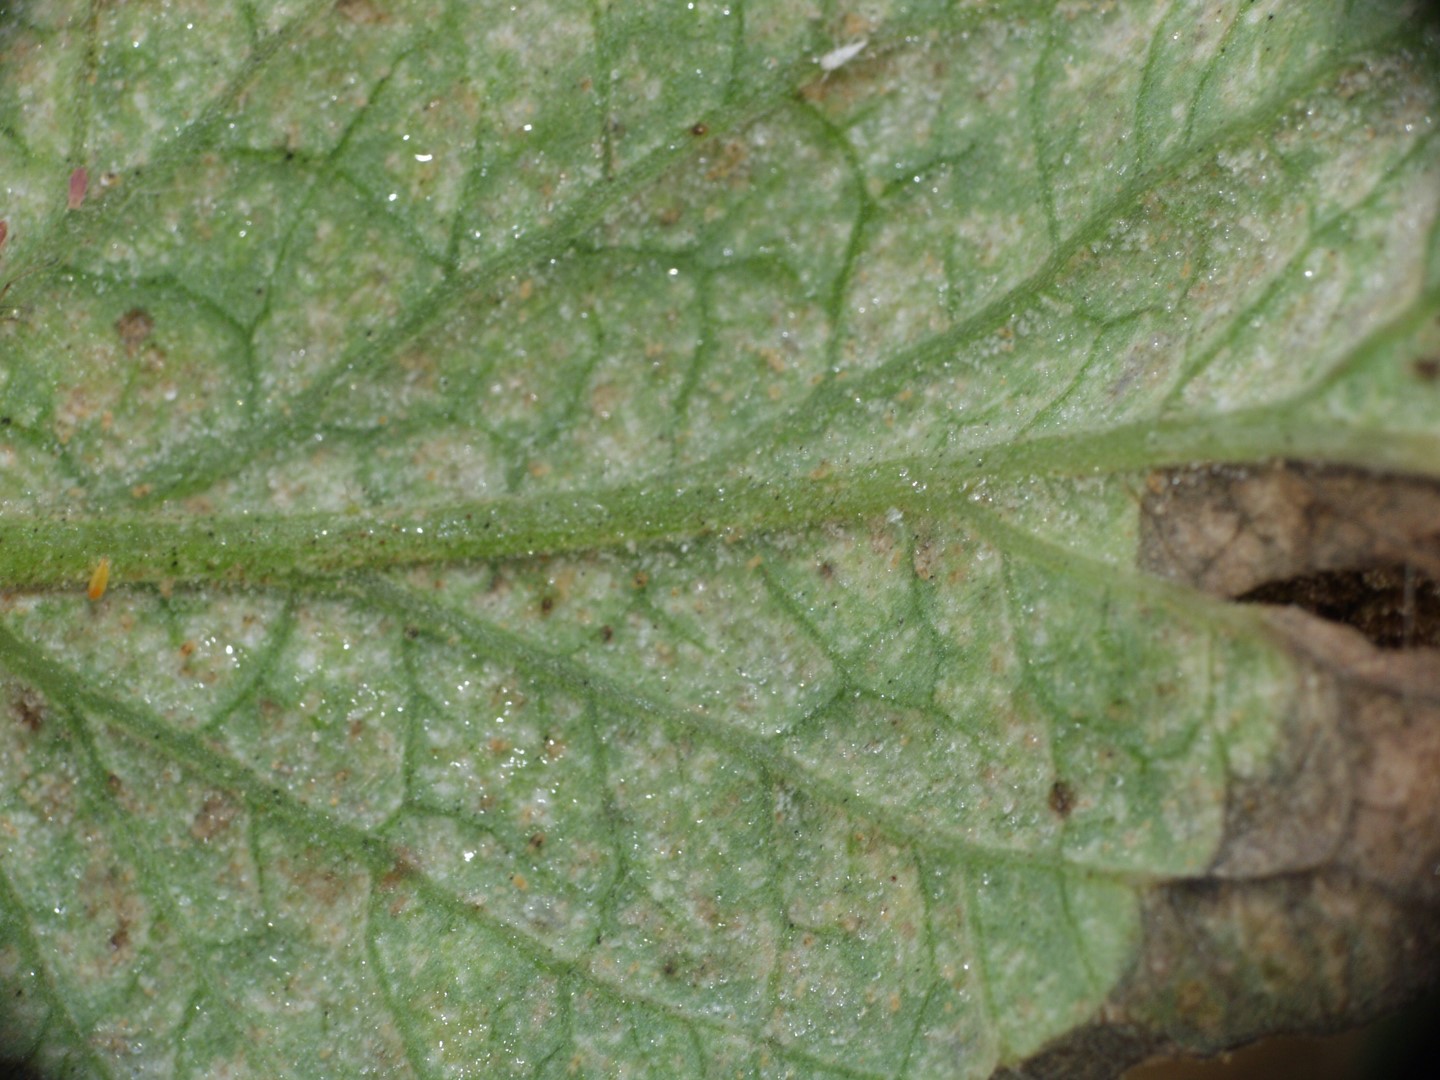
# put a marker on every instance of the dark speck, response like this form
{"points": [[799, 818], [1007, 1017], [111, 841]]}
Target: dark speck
{"points": [[1062, 798]]}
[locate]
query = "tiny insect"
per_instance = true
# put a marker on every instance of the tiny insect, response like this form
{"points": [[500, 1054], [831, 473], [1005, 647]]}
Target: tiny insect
{"points": [[99, 579], [79, 184], [838, 58]]}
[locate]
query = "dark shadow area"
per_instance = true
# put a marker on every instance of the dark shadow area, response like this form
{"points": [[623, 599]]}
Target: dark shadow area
{"points": [[1395, 607], [1404, 1046]]}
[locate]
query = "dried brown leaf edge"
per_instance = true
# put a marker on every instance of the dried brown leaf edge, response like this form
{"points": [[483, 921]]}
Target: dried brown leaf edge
{"points": [[1321, 909]]}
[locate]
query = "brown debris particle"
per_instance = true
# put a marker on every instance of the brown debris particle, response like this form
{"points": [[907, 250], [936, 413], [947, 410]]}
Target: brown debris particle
{"points": [[120, 939], [1062, 798]]}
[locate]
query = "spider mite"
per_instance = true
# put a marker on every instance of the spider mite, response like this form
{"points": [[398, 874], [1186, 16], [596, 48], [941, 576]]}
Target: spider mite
{"points": [[79, 184], [99, 580]]}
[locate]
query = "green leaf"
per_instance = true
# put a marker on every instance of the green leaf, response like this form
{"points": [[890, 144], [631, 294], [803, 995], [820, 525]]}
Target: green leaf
{"points": [[623, 519]]}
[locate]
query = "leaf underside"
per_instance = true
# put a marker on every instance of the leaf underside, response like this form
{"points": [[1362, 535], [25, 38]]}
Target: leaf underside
{"points": [[632, 532]]}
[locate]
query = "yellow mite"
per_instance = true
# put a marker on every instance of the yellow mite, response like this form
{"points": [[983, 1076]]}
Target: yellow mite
{"points": [[99, 579]]}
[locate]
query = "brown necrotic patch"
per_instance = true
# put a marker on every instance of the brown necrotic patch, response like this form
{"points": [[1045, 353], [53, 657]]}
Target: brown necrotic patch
{"points": [[1331, 838], [28, 708], [134, 328], [1354, 548]]}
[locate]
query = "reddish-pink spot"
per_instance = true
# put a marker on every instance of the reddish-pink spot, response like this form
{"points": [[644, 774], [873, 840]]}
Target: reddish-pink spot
{"points": [[79, 182], [4, 232]]}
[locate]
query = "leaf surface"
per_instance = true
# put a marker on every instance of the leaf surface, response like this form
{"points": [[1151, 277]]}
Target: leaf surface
{"points": [[624, 520]]}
